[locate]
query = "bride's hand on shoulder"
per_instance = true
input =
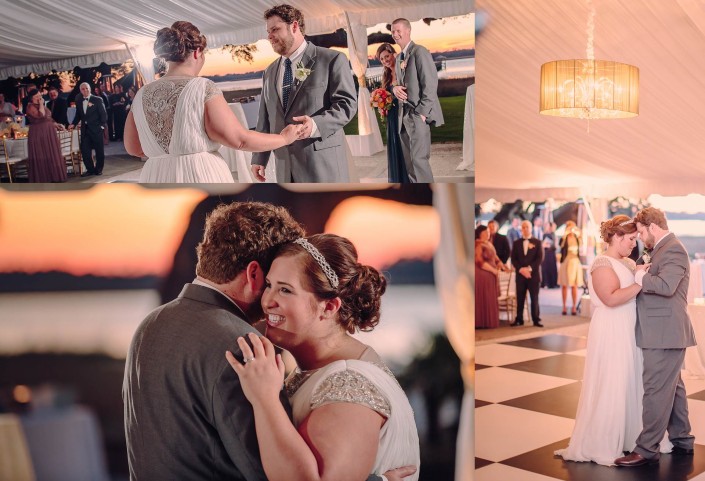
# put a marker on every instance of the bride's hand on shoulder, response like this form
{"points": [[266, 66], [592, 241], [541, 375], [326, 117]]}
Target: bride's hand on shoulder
{"points": [[262, 373], [291, 133]]}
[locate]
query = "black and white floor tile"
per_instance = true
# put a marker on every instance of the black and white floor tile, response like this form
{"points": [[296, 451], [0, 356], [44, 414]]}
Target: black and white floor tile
{"points": [[526, 397]]}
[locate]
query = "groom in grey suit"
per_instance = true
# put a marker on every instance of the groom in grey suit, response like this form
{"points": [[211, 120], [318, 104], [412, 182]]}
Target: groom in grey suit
{"points": [[663, 332], [308, 84], [418, 92], [186, 416]]}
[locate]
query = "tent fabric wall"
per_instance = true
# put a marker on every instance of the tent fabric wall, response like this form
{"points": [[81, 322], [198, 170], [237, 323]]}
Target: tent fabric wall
{"points": [[43, 35], [520, 152]]}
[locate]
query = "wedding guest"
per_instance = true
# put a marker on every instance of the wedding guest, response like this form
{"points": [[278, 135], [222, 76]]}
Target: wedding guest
{"points": [[105, 95], [514, 232], [90, 113], [549, 269], [118, 100], [7, 110], [487, 267], [44, 160], [417, 89], [395, 158], [58, 107], [527, 255], [98, 92], [571, 271], [537, 231], [499, 242]]}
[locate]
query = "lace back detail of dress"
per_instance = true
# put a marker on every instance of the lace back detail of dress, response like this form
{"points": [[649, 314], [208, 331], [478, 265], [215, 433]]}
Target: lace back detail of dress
{"points": [[159, 101]]}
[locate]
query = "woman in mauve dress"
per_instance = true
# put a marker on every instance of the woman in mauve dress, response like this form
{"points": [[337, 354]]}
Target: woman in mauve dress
{"points": [[45, 163]]}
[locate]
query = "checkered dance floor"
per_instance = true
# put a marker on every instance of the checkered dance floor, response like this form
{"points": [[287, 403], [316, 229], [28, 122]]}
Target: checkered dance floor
{"points": [[526, 397]]}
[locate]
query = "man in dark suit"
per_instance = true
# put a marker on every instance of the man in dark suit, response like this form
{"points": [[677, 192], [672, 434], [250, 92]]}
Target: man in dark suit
{"points": [[58, 107], [90, 112], [186, 416], [499, 241], [527, 255]]}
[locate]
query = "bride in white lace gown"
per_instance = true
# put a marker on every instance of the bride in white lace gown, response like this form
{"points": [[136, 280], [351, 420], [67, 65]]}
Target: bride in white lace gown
{"points": [[351, 417], [180, 120], [608, 420]]}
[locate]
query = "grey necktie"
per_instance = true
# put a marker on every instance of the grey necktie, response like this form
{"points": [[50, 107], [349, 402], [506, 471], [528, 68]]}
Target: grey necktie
{"points": [[288, 78]]}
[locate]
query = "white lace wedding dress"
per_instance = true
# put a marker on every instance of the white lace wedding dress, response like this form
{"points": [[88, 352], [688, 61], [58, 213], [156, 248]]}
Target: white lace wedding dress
{"points": [[370, 383], [608, 420], [169, 114]]}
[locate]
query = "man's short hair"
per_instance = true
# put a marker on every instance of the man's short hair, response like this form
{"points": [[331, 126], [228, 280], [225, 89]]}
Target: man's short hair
{"points": [[493, 222], [651, 215], [288, 14], [403, 21], [239, 233]]}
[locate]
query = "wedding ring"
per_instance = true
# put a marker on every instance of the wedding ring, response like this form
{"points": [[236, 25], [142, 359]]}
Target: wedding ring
{"points": [[248, 359]]}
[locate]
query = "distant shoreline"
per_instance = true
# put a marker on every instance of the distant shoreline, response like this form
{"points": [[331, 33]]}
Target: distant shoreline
{"points": [[446, 88]]}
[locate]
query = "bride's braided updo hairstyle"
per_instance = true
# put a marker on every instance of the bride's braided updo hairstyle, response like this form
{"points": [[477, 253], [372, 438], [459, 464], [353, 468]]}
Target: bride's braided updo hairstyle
{"points": [[174, 43], [360, 287], [617, 225]]}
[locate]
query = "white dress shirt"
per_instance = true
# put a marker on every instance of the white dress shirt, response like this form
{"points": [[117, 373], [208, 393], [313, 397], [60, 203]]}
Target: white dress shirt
{"points": [[295, 58], [639, 276]]}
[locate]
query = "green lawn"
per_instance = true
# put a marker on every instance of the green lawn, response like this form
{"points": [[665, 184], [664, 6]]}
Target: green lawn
{"points": [[451, 131]]}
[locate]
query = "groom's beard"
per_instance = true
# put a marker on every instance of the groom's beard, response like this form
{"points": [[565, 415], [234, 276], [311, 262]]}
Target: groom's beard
{"points": [[282, 45], [649, 241], [254, 312]]}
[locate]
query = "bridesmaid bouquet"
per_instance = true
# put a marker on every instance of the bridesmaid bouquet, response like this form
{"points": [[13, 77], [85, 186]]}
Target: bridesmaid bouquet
{"points": [[382, 100]]}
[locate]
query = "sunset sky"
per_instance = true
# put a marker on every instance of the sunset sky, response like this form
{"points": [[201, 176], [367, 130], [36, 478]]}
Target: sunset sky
{"points": [[126, 230], [452, 33]]}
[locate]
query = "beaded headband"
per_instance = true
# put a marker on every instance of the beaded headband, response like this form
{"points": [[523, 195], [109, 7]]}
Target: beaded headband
{"points": [[316, 254], [629, 221]]}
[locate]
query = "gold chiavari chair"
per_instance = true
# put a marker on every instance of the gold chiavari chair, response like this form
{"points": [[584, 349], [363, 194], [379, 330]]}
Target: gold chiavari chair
{"points": [[11, 161]]}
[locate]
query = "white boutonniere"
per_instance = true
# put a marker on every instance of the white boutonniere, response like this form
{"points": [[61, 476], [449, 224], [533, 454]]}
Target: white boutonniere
{"points": [[301, 73], [646, 257], [531, 246], [403, 65], [90, 104]]}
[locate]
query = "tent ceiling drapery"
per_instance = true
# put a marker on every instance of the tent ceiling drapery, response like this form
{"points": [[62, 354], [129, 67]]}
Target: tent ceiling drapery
{"points": [[521, 154], [42, 35]]}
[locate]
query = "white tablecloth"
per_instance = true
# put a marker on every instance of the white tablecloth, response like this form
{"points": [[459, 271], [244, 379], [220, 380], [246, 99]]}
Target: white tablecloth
{"points": [[251, 111], [239, 160], [18, 147], [695, 356], [695, 286], [66, 444], [468, 162]]}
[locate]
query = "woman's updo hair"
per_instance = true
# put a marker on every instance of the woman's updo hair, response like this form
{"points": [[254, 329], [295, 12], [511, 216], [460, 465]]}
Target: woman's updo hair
{"points": [[174, 43], [360, 287], [617, 225], [479, 230]]}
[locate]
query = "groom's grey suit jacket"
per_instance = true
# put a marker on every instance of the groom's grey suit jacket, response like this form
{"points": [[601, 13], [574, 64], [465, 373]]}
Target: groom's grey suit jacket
{"points": [[186, 416], [662, 315], [328, 96], [420, 78]]}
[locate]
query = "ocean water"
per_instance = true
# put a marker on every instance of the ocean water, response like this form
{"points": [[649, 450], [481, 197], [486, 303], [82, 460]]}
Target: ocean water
{"points": [[455, 68]]}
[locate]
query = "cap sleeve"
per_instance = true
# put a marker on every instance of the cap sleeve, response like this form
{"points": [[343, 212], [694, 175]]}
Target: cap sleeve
{"points": [[349, 386], [212, 90], [600, 261]]}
